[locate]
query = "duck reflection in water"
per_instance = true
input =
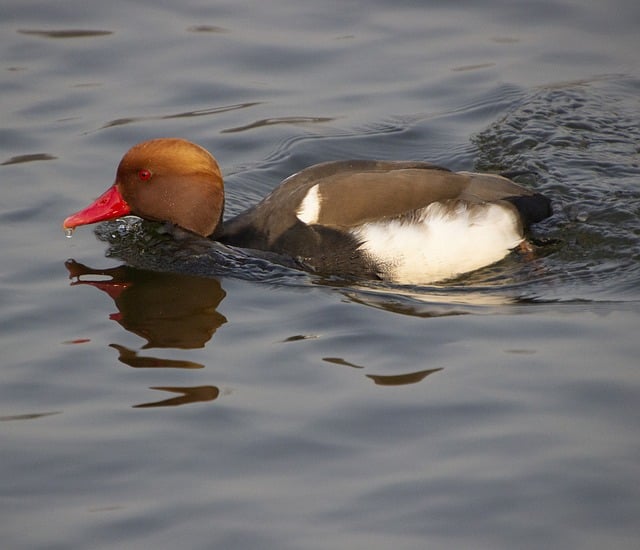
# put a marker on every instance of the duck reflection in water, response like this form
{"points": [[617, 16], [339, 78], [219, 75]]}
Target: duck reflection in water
{"points": [[172, 310], [167, 310]]}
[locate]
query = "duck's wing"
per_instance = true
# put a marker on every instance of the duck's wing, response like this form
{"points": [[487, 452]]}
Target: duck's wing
{"points": [[348, 194], [343, 194]]}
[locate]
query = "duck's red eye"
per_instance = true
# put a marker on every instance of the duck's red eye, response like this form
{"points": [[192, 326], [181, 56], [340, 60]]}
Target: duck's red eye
{"points": [[144, 174]]}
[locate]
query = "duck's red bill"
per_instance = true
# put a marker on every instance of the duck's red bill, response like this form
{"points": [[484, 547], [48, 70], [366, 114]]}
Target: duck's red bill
{"points": [[107, 206]]}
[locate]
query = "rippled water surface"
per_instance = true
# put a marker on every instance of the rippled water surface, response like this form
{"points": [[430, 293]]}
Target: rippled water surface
{"points": [[161, 391]]}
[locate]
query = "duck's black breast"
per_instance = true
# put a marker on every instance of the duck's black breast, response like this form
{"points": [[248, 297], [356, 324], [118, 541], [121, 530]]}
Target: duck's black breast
{"points": [[316, 248]]}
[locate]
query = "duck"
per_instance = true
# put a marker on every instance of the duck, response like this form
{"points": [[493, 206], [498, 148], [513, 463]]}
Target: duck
{"points": [[407, 222]]}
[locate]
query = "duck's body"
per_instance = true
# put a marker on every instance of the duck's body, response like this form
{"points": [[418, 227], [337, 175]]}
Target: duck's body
{"points": [[409, 222]]}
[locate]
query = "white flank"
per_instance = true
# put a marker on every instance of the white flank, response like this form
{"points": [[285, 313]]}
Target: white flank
{"points": [[441, 242], [309, 210]]}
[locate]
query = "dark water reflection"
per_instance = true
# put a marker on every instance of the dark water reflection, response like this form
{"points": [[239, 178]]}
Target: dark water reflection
{"points": [[65, 33], [187, 396], [167, 310], [402, 379], [133, 359], [172, 310]]}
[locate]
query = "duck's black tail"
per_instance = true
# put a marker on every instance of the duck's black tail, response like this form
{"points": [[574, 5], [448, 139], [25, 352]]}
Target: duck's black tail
{"points": [[533, 208]]}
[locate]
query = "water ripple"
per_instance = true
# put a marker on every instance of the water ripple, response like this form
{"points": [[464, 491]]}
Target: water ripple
{"points": [[183, 114], [579, 144]]}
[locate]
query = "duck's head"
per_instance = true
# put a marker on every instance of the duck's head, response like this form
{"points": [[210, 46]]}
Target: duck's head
{"points": [[166, 179]]}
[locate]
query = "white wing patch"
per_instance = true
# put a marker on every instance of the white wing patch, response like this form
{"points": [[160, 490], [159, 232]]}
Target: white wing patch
{"points": [[442, 241], [309, 210]]}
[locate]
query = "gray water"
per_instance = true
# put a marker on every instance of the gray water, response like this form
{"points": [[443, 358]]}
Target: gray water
{"points": [[156, 394]]}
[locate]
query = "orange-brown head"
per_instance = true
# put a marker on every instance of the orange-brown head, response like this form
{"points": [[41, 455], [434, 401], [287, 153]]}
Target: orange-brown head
{"points": [[165, 179]]}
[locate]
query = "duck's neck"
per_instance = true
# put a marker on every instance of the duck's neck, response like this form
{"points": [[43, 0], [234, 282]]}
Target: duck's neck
{"points": [[219, 230]]}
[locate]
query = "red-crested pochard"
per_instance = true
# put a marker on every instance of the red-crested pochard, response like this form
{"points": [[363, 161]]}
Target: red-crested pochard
{"points": [[407, 222]]}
